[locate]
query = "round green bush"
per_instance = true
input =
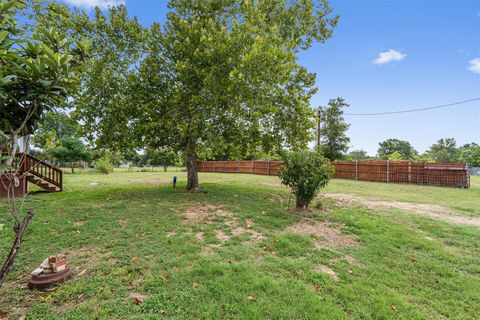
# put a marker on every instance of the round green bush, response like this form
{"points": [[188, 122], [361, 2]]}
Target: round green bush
{"points": [[305, 172], [103, 165]]}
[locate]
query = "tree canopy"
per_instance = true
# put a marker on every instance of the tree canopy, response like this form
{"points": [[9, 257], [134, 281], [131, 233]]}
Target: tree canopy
{"points": [[445, 150], [218, 77], [390, 146], [333, 139], [70, 150], [52, 127], [37, 73]]}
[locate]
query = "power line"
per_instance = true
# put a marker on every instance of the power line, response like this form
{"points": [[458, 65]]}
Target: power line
{"points": [[412, 110]]}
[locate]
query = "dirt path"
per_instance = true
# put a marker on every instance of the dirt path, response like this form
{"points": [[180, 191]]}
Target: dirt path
{"points": [[429, 210]]}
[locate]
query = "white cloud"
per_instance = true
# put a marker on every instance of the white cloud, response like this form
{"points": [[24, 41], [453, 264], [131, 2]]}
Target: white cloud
{"points": [[389, 56], [474, 65], [102, 4]]}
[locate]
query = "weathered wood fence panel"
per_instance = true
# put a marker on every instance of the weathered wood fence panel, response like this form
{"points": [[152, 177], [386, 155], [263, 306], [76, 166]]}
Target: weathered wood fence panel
{"points": [[426, 173]]}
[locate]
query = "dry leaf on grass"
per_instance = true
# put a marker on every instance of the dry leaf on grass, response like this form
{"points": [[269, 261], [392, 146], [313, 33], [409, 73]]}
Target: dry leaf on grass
{"points": [[251, 298]]}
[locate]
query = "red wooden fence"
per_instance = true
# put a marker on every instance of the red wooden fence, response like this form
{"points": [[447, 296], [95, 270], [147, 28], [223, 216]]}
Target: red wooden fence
{"points": [[427, 173]]}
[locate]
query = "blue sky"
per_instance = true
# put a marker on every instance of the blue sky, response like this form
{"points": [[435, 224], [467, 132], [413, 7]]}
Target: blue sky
{"points": [[431, 56]]}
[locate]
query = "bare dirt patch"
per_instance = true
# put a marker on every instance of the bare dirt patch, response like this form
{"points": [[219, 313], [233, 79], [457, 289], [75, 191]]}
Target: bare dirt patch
{"points": [[351, 260], [208, 250], [205, 213], [428, 210], [222, 236], [238, 231], [326, 234], [327, 270]]}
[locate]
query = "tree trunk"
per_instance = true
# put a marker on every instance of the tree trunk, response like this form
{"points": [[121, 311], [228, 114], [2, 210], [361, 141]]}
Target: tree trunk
{"points": [[13, 150], [9, 262], [192, 170], [165, 168], [26, 144], [301, 204]]}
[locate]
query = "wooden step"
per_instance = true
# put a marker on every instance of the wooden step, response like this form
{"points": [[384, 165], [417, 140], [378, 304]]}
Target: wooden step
{"points": [[43, 184]]}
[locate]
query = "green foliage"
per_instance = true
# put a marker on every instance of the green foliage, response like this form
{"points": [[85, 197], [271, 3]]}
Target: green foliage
{"points": [[445, 150], [333, 138], [357, 155], [390, 146], [160, 157], [305, 173], [470, 154], [395, 156], [38, 72], [70, 150], [220, 77], [104, 165], [52, 127]]}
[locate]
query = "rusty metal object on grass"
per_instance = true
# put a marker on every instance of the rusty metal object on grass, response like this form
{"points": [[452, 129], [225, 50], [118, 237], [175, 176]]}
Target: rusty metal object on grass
{"points": [[43, 281]]}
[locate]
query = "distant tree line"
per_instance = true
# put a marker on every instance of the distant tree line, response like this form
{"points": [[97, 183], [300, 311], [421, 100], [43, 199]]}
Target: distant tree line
{"points": [[58, 139], [444, 150]]}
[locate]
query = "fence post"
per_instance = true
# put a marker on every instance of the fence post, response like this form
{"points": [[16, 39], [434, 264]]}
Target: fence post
{"points": [[238, 166], [214, 170], [268, 167], [253, 166], [356, 169], [388, 171], [409, 171]]}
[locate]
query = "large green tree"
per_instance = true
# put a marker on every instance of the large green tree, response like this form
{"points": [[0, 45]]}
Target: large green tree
{"points": [[52, 127], [470, 154], [390, 146], [218, 77], [70, 150], [38, 70], [37, 73], [332, 130], [445, 150]]}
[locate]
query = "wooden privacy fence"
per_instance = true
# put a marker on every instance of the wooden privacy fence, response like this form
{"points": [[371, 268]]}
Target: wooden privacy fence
{"points": [[270, 168], [426, 173]]}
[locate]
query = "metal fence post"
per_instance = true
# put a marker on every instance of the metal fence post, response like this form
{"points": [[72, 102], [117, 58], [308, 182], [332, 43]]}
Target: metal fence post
{"points": [[388, 171]]}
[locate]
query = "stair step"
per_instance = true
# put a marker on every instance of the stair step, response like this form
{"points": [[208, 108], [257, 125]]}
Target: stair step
{"points": [[43, 184]]}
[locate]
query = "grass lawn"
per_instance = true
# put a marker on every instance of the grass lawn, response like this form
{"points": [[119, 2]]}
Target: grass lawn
{"points": [[238, 252]]}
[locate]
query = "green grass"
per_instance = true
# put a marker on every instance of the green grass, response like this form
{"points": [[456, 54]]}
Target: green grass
{"points": [[126, 234]]}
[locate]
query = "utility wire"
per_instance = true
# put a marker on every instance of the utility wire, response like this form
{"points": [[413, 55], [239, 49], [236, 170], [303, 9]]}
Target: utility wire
{"points": [[412, 110]]}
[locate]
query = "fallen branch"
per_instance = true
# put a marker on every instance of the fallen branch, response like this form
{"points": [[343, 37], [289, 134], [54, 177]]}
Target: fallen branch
{"points": [[9, 262]]}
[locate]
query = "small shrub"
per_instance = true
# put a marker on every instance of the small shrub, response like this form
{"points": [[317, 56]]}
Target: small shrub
{"points": [[305, 173], [103, 165]]}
